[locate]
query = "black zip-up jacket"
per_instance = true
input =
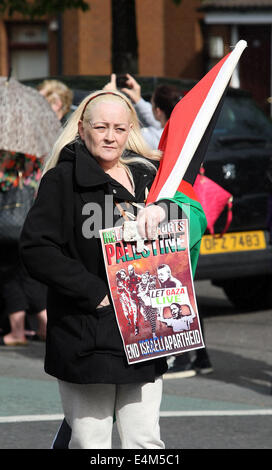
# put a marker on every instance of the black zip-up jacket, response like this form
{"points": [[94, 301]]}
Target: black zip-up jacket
{"points": [[83, 343]]}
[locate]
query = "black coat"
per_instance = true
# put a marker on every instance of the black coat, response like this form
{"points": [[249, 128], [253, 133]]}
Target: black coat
{"points": [[83, 344]]}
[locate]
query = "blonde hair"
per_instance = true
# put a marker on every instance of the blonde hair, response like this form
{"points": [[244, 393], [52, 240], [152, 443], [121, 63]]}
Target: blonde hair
{"points": [[53, 89], [135, 142]]}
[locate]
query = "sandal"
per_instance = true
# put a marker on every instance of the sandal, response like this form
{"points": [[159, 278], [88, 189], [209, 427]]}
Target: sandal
{"points": [[14, 343]]}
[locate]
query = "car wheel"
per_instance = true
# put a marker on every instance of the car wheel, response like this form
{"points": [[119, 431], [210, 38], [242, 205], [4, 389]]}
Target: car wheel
{"points": [[250, 292]]}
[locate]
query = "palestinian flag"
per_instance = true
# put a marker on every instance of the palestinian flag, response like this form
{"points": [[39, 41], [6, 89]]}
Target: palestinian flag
{"points": [[185, 140]]}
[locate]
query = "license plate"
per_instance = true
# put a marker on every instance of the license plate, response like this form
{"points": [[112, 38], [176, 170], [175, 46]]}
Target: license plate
{"points": [[236, 241]]}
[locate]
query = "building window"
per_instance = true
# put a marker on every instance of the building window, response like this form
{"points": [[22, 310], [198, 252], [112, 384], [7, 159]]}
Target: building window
{"points": [[216, 47], [28, 50]]}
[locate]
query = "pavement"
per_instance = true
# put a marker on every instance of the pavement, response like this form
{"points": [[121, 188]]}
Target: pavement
{"points": [[230, 408]]}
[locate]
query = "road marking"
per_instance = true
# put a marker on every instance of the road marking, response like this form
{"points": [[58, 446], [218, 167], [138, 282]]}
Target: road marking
{"points": [[262, 412], [163, 414], [25, 418]]}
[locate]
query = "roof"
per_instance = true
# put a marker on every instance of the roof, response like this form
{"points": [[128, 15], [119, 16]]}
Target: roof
{"points": [[235, 5]]}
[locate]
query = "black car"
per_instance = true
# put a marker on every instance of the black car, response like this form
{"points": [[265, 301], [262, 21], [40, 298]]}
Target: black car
{"points": [[238, 159]]}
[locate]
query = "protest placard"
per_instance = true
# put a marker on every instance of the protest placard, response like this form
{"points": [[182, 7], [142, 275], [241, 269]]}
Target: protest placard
{"points": [[153, 292]]}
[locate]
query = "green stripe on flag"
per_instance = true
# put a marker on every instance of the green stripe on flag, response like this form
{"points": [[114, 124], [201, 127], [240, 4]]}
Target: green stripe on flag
{"points": [[197, 223]]}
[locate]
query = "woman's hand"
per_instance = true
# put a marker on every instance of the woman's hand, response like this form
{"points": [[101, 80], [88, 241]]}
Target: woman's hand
{"points": [[104, 302], [148, 220]]}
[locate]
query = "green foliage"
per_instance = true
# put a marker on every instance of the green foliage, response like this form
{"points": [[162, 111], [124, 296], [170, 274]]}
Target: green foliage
{"points": [[38, 8]]}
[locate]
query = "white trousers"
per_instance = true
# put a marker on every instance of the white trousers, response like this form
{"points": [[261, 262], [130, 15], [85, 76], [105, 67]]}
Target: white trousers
{"points": [[89, 411]]}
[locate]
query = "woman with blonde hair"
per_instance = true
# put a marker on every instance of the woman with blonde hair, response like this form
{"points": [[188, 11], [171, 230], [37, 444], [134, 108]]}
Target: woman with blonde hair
{"points": [[99, 157], [135, 142], [59, 96]]}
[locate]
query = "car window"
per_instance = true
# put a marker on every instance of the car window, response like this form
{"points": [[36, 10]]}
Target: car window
{"points": [[241, 119]]}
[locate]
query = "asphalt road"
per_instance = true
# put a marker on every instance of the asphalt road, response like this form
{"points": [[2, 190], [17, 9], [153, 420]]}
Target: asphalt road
{"points": [[230, 408]]}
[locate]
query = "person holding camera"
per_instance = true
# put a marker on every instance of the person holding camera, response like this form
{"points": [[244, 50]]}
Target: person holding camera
{"points": [[153, 115]]}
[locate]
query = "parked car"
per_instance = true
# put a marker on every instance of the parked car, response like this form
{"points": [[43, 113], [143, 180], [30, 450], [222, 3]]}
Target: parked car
{"points": [[238, 157]]}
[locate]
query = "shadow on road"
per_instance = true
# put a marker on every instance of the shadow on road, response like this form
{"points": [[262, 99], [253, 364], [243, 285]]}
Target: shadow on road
{"points": [[242, 371], [209, 307]]}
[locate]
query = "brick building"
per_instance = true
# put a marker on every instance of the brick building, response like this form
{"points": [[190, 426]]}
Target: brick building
{"points": [[173, 40], [227, 21], [170, 41]]}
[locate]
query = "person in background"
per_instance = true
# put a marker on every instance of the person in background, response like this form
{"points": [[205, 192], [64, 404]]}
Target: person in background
{"points": [[153, 116], [20, 294], [59, 96]]}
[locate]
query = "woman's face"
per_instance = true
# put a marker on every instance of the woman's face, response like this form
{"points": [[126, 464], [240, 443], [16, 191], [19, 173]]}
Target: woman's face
{"points": [[106, 132]]}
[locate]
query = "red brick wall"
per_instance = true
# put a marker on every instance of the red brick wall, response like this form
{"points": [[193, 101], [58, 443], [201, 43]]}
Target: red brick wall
{"points": [[3, 50], [170, 38], [87, 39], [70, 43], [150, 29], [183, 39]]}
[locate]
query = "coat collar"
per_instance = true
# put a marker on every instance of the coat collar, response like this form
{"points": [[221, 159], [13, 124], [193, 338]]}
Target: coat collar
{"points": [[89, 174], [87, 171]]}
